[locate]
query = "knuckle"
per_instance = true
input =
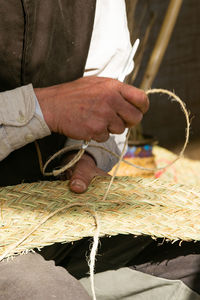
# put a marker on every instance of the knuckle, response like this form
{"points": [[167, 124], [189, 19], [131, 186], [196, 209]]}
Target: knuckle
{"points": [[117, 128], [102, 138], [97, 129], [112, 83], [101, 128], [121, 129], [106, 106], [89, 128]]}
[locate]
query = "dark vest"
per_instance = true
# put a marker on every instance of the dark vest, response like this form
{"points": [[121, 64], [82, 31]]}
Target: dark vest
{"points": [[43, 42]]}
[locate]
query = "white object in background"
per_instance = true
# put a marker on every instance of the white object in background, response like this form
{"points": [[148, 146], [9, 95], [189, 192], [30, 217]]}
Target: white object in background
{"points": [[129, 61], [120, 138]]}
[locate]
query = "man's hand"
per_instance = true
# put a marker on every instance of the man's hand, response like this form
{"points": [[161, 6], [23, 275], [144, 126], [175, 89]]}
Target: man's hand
{"points": [[92, 107], [82, 173]]}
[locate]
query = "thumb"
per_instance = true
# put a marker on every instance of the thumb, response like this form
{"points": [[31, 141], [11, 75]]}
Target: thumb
{"points": [[79, 184], [83, 173]]}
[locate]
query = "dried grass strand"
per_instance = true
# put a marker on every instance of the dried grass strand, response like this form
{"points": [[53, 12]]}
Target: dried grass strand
{"points": [[93, 253], [183, 107], [117, 167], [14, 246]]}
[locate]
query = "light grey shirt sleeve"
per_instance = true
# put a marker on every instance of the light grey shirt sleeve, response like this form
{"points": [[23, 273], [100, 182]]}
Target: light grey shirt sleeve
{"points": [[20, 124], [103, 159]]}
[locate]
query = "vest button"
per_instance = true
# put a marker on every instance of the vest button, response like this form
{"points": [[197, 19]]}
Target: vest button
{"points": [[21, 118], [29, 138]]}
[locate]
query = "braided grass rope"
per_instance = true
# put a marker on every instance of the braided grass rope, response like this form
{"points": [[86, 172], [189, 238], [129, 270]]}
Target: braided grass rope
{"points": [[137, 206]]}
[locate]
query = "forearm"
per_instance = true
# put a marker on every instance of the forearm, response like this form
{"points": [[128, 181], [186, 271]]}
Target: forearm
{"points": [[20, 123]]}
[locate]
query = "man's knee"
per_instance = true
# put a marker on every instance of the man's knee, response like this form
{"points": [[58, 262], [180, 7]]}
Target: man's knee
{"points": [[31, 277]]}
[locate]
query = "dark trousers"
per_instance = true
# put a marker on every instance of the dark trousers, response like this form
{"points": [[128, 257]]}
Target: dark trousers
{"points": [[35, 278], [177, 261]]}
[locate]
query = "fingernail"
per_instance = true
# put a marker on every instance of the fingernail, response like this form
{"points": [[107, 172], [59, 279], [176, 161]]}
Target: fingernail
{"points": [[79, 184]]}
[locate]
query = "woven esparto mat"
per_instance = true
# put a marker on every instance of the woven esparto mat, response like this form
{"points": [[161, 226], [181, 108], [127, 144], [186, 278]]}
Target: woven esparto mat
{"points": [[137, 206], [184, 171]]}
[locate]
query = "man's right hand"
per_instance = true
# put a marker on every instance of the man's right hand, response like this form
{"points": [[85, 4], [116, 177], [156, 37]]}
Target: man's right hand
{"points": [[92, 107]]}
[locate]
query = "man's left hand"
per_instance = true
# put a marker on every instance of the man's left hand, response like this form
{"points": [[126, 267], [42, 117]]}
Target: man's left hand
{"points": [[82, 173]]}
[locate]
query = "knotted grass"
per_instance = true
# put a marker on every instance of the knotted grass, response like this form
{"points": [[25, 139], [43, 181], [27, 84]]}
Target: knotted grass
{"points": [[51, 213]]}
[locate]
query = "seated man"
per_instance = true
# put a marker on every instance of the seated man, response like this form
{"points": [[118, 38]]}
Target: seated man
{"points": [[47, 47]]}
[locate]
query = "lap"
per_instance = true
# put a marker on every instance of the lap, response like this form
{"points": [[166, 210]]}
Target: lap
{"points": [[172, 261], [127, 284], [165, 260], [31, 277]]}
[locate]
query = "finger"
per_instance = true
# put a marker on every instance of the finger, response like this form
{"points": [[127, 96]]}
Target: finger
{"points": [[117, 125], [79, 181], [135, 96], [129, 114], [99, 129], [101, 137], [131, 117], [83, 173]]}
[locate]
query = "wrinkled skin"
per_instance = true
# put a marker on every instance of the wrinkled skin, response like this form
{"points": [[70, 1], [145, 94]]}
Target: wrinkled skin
{"points": [[91, 108], [82, 173]]}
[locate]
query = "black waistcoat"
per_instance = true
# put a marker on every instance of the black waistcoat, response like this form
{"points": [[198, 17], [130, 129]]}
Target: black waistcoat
{"points": [[43, 42]]}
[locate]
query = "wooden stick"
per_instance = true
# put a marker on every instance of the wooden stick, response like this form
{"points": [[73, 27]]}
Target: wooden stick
{"points": [[161, 43]]}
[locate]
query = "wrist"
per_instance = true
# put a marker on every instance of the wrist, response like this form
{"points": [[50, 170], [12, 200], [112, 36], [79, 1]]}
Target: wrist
{"points": [[45, 97]]}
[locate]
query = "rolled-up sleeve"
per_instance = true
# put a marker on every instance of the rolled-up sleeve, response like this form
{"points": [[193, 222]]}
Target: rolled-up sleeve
{"points": [[19, 122], [103, 159]]}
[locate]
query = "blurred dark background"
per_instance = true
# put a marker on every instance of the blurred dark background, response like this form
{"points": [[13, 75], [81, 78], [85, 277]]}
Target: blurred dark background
{"points": [[178, 72]]}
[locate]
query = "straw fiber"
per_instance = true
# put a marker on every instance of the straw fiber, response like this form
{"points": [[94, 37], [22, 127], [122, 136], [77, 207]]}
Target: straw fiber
{"points": [[184, 171], [127, 170], [137, 206]]}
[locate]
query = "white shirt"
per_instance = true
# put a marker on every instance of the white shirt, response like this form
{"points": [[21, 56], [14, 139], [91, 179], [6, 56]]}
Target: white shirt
{"points": [[110, 44], [109, 48]]}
